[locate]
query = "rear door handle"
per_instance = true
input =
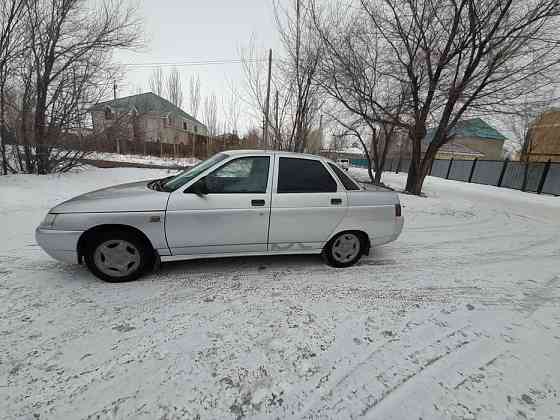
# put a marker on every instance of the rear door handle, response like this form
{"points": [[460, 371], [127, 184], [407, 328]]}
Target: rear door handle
{"points": [[336, 201], [258, 203]]}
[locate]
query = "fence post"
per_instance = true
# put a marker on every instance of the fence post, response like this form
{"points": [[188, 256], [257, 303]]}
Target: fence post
{"points": [[472, 169], [544, 175], [525, 173], [504, 167], [449, 169]]}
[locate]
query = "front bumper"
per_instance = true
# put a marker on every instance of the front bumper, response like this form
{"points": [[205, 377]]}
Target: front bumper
{"points": [[62, 245]]}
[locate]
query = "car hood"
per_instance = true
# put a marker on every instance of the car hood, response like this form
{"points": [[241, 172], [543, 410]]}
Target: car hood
{"points": [[135, 196]]}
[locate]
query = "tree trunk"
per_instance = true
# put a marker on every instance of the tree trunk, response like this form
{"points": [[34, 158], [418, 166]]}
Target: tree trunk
{"points": [[416, 174], [378, 177], [39, 130], [3, 128]]}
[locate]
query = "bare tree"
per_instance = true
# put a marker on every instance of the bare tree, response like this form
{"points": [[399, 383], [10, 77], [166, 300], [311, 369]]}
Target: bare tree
{"points": [[11, 47], [233, 112], [255, 76], [297, 109], [367, 102], [71, 44], [210, 115], [174, 89], [303, 54], [461, 57], [156, 82], [194, 95]]}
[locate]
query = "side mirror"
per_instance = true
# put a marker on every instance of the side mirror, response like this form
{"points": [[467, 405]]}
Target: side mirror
{"points": [[198, 188]]}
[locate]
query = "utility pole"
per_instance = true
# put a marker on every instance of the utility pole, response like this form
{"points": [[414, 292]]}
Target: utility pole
{"points": [[116, 116], [267, 105], [277, 129], [321, 132]]}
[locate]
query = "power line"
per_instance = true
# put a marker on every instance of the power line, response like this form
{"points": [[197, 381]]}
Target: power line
{"points": [[190, 63]]}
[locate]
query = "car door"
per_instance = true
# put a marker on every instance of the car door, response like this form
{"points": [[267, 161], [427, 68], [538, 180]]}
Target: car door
{"points": [[308, 203], [229, 214]]}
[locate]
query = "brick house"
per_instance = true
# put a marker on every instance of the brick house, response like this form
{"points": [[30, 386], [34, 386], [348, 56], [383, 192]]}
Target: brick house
{"points": [[543, 138], [146, 117]]}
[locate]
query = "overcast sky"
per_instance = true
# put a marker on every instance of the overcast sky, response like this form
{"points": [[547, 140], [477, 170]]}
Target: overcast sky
{"points": [[180, 31]]}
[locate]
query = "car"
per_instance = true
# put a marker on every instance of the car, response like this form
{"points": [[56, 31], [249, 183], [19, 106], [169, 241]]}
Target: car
{"points": [[344, 163], [236, 203]]}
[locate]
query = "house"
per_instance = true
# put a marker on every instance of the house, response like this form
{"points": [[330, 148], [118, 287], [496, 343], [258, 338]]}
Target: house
{"points": [[473, 138], [470, 139], [146, 117], [543, 138]]}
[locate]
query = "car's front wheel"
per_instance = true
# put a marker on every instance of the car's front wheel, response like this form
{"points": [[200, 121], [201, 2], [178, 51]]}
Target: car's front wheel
{"points": [[117, 256], [344, 250]]}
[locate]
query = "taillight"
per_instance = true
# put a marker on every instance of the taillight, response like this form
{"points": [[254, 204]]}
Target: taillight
{"points": [[398, 210]]}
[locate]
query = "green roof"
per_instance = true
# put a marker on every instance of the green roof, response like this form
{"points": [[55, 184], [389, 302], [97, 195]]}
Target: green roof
{"points": [[144, 102], [475, 127]]}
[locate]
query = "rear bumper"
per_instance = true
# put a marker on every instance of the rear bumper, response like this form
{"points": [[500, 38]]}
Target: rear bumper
{"points": [[61, 245]]}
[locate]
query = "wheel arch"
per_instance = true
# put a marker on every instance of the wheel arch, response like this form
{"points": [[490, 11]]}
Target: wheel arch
{"points": [[91, 232], [364, 238]]}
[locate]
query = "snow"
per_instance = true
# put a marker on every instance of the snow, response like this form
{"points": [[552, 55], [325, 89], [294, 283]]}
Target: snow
{"points": [[144, 159], [458, 319]]}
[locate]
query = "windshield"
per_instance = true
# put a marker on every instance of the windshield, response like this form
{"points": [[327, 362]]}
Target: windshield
{"points": [[181, 179]]}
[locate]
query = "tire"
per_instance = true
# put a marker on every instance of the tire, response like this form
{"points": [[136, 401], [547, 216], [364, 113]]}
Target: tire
{"points": [[344, 250], [118, 256]]}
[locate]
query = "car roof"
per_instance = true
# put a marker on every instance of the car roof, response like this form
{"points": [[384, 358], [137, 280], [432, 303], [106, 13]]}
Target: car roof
{"points": [[270, 152]]}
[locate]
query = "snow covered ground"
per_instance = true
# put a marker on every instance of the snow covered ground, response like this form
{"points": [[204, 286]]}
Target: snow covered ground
{"points": [[144, 159], [458, 319]]}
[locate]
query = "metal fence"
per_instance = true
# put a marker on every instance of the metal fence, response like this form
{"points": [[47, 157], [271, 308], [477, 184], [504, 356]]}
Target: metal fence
{"points": [[538, 177]]}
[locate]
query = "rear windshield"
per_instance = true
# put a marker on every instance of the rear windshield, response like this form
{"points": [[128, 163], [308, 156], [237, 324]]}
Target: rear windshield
{"points": [[348, 183]]}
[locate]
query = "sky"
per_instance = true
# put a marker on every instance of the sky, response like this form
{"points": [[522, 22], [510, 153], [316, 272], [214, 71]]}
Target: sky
{"points": [[180, 31]]}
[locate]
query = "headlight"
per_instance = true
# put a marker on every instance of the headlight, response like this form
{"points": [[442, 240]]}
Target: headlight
{"points": [[48, 221]]}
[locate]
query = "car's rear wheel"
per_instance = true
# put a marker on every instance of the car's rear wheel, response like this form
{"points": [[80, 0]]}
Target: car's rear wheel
{"points": [[117, 256], [344, 250]]}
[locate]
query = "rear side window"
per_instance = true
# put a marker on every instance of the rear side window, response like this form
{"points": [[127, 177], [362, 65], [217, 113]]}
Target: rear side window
{"points": [[304, 176], [345, 179]]}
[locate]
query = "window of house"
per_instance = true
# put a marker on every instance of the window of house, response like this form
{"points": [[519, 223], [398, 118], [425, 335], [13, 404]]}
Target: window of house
{"points": [[185, 126], [108, 114], [243, 175], [348, 183], [304, 176], [196, 129]]}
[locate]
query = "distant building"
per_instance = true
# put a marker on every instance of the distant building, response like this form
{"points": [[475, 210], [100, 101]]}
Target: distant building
{"points": [[470, 139], [543, 138], [145, 117]]}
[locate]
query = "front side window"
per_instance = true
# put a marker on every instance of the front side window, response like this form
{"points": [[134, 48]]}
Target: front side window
{"points": [[186, 176], [348, 183], [304, 176], [243, 175]]}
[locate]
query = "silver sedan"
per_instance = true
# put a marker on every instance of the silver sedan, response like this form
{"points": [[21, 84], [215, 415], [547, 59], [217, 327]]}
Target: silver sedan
{"points": [[236, 203]]}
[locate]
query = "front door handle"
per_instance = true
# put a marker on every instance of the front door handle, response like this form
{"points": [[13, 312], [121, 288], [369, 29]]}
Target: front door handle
{"points": [[258, 203], [336, 201]]}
